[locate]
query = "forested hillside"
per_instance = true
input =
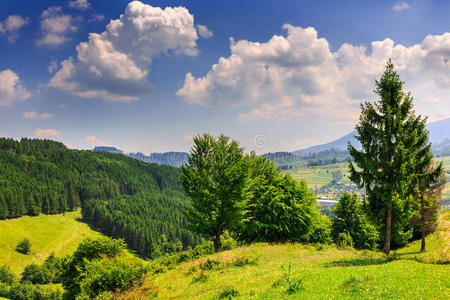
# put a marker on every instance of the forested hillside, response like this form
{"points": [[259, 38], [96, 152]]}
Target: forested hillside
{"points": [[120, 196]]}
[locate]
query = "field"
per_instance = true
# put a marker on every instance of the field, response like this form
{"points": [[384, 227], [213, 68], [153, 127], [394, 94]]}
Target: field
{"points": [[60, 234], [318, 176], [295, 271]]}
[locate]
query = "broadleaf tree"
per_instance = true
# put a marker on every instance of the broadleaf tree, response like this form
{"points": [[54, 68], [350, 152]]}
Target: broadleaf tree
{"points": [[394, 152], [215, 179]]}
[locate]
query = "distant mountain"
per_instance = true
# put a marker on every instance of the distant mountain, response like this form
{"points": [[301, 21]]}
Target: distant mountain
{"points": [[439, 137], [339, 144], [108, 149], [175, 159]]}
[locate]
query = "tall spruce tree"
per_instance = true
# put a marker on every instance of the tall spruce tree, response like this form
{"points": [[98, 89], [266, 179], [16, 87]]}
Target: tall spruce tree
{"points": [[214, 178], [394, 153]]}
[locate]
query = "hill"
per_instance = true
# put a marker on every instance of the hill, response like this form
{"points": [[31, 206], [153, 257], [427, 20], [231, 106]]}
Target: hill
{"points": [[119, 195], [439, 131], [293, 271], [175, 159], [59, 234]]}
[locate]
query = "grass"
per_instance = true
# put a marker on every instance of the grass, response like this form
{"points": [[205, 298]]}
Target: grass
{"points": [[60, 234], [295, 271]]}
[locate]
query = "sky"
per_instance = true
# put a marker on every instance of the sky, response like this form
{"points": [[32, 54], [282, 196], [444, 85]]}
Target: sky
{"points": [[275, 75]]}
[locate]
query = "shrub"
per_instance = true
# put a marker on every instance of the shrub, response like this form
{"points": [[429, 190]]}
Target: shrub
{"points": [[228, 243], [352, 220], [200, 278], [228, 293], [74, 267], [209, 265], [48, 272], [24, 246], [343, 240], [244, 261], [110, 275], [6, 276], [26, 291], [321, 230]]}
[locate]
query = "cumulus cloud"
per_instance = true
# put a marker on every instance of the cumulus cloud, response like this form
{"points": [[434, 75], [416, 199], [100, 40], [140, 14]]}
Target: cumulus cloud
{"points": [[204, 32], [35, 116], [79, 4], [11, 25], [298, 74], [46, 133], [55, 26], [401, 5], [113, 65], [10, 88]]}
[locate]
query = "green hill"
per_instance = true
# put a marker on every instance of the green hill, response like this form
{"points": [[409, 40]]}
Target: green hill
{"points": [[60, 234], [295, 271], [121, 196]]}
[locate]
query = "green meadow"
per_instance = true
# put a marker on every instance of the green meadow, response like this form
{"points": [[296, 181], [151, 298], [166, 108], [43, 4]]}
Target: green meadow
{"points": [[60, 234], [296, 271]]}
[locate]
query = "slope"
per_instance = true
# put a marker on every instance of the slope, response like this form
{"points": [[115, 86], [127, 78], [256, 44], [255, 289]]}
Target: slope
{"points": [[59, 234], [293, 271]]}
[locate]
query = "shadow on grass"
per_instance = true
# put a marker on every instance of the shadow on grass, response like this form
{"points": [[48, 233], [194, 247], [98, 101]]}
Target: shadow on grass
{"points": [[369, 261]]}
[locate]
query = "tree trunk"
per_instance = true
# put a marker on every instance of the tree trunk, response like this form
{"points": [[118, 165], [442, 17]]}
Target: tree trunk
{"points": [[422, 223], [387, 243], [217, 242]]}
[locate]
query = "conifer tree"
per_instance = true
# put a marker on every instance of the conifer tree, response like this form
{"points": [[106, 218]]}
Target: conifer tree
{"points": [[394, 153]]}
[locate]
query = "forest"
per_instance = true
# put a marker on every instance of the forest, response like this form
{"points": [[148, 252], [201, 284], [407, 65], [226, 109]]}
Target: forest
{"points": [[120, 196]]}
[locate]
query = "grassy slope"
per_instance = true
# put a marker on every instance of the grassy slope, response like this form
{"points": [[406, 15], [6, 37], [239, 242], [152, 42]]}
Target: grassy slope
{"points": [[324, 273], [60, 234]]}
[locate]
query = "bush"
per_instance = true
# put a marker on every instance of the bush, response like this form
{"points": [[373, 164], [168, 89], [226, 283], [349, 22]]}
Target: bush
{"points": [[228, 293], [48, 272], [321, 231], [110, 275], [6, 276], [343, 240], [351, 226], [24, 246], [26, 291], [74, 267]]}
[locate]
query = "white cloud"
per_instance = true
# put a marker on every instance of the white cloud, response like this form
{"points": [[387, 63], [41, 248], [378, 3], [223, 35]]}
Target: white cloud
{"points": [[53, 66], [79, 4], [11, 26], [95, 141], [298, 75], [204, 32], [113, 65], [10, 88], [35, 116], [55, 26], [46, 133], [401, 5]]}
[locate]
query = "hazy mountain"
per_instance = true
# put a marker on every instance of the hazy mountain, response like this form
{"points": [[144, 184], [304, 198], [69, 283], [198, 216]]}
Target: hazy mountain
{"points": [[439, 132], [175, 159], [108, 149]]}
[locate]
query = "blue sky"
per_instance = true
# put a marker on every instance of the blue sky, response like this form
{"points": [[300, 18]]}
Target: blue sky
{"points": [[148, 75]]}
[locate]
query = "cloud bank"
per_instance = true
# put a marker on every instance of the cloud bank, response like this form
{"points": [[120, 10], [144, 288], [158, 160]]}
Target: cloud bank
{"points": [[298, 74], [55, 26], [112, 66]]}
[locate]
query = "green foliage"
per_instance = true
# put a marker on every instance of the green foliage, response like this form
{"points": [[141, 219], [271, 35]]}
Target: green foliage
{"points": [[201, 277], [24, 246], [321, 230], [343, 239], [48, 272], [291, 285], [209, 265], [110, 274], [244, 261], [26, 291], [120, 196], [280, 209], [228, 293], [214, 179], [395, 149], [6, 276], [351, 227], [74, 267]]}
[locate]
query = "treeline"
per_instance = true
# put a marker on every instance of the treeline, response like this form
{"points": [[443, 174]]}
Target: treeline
{"points": [[121, 196]]}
